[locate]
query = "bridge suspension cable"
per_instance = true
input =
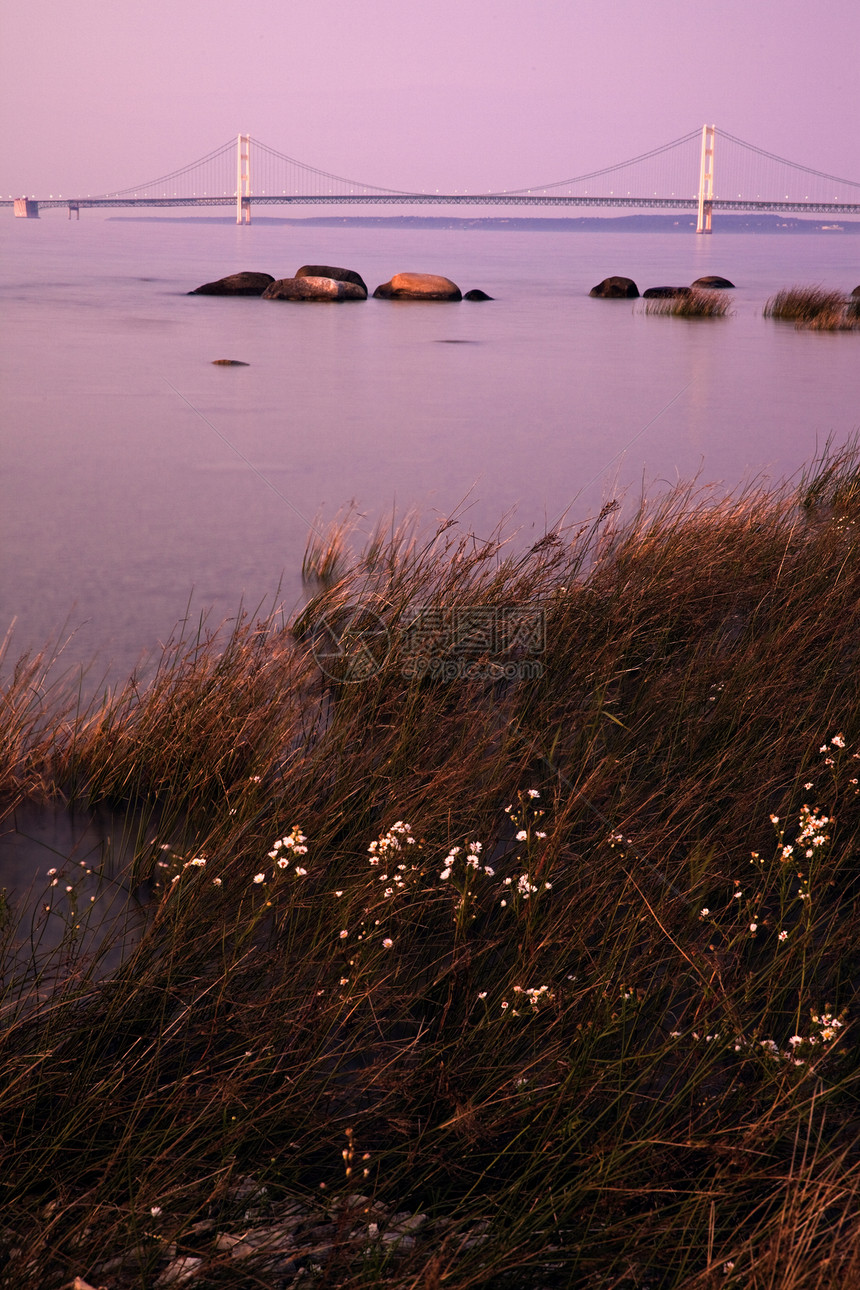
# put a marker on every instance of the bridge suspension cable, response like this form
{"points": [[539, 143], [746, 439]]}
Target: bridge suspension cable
{"points": [[226, 148], [794, 165], [606, 170], [325, 174]]}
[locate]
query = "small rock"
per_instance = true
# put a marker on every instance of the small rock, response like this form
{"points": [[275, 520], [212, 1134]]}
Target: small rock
{"points": [[714, 283], [178, 1271], [229, 362], [477, 294], [615, 289]]}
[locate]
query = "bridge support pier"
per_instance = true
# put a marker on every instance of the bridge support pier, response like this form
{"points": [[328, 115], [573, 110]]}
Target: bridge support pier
{"points": [[25, 208], [706, 181], [243, 179]]}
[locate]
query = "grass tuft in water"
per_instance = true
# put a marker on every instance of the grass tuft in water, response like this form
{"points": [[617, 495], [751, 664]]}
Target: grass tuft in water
{"points": [[813, 308], [696, 304]]}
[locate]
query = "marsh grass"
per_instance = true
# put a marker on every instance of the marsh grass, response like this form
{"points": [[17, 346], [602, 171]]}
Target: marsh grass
{"points": [[641, 1068], [696, 304], [814, 308]]}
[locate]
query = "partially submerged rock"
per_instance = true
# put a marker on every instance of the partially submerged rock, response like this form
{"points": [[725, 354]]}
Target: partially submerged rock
{"points": [[615, 289], [855, 293], [313, 288], [714, 282], [235, 284], [229, 362], [329, 271], [665, 293], [476, 294], [418, 286]]}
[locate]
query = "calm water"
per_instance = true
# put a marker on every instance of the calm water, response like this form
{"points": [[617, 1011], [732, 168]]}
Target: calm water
{"points": [[136, 475]]}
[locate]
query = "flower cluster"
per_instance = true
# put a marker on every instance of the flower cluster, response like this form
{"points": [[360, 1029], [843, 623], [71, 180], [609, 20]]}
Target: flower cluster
{"points": [[534, 996], [387, 848], [284, 849], [801, 1048], [471, 860], [391, 842]]}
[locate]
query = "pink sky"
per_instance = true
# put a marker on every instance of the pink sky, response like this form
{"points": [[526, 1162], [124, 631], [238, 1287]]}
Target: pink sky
{"points": [[448, 94]]}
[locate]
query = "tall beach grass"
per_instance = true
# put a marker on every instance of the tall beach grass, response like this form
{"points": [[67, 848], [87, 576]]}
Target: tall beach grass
{"points": [[454, 976], [696, 303], [814, 308]]}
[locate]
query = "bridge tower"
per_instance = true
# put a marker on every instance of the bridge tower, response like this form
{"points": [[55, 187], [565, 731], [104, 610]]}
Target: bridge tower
{"points": [[706, 180], [243, 179]]}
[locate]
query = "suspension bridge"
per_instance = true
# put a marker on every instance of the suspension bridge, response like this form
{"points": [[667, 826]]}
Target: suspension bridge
{"points": [[679, 175]]}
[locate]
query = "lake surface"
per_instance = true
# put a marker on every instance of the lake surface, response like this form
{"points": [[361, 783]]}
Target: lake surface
{"points": [[136, 476]]}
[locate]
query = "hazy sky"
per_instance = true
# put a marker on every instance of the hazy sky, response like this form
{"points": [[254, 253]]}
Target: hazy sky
{"points": [[449, 94]]}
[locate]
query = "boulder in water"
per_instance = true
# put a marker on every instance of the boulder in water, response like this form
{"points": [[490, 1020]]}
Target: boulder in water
{"points": [[329, 271], [615, 289], [326, 289], [418, 286], [714, 283], [235, 284], [476, 294]]}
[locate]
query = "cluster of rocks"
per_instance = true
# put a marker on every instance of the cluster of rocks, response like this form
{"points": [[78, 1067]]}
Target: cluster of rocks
{"points": [[626, 289], [291, 1243], [325, 282]]}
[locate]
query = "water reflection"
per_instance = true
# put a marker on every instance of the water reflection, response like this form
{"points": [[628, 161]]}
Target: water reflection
{"points": [[69, 907]]}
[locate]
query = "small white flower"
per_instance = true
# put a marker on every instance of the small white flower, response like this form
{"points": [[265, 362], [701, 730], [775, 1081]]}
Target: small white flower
{"points": [[51, 873], [301, 872], [482, 994], [344, 934], [387, 943], [522, 835], [534, 793], [282, 863], [838, 741], [259, 877], [782, 936], [774, 819], [216, 882], [753, 927], [703, 913], [338, 893], [156, 1211]]}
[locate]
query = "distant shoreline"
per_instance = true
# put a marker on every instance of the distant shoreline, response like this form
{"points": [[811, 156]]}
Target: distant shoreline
{"points": [[773, 224]]}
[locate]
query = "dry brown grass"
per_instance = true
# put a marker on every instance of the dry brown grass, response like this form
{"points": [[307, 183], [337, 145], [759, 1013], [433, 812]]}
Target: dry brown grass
{"points": [[697, 304], [644, 1122]]}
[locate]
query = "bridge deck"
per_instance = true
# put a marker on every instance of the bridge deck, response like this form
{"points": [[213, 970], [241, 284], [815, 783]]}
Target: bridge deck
{"points": [[452, 199]]}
